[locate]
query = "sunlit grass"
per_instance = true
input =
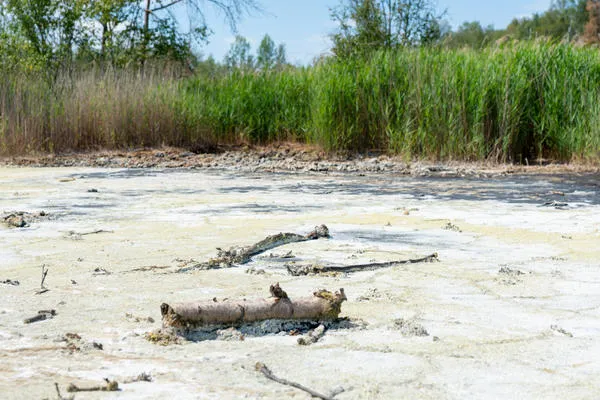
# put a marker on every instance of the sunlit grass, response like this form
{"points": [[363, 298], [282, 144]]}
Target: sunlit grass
{"points": [[516, 103]]}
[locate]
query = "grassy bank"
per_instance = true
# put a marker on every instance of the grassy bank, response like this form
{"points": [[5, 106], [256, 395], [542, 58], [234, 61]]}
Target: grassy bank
{"points": [[515, 104]]}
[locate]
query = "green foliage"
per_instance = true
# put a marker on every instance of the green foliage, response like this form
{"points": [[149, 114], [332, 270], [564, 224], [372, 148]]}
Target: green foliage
{"points": [[265, 57], [473, 35], [56, 35], [257, 107], [564, 20], [49, 27], [509, 103], [370, 25], [239, 55], [269, 56]]}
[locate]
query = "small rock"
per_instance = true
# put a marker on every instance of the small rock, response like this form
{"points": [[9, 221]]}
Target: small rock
{"points": [[410, 328], [101, 271], [560, 330], [255, 271], [451, 227], [509, 271], [16, 221]]}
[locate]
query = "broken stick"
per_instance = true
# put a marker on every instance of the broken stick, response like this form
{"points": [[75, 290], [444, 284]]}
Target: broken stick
{"points": [[241, 255], [110, 386], [43, 289], [312, 336], [322, 305], [60, 396], [298, 270], [78, 235], [41, 316], [260, 367]]}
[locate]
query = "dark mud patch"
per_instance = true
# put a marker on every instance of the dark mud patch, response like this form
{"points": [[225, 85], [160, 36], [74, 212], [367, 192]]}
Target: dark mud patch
{"points": [[255, 329]]}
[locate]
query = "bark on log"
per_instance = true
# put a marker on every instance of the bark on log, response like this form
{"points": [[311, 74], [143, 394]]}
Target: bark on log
{"points": [[299, 270], [322, 305], [242, 255]]}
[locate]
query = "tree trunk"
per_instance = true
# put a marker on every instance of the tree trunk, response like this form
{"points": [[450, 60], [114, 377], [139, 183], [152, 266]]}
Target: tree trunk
{"points": [[146, 32], [322, 305]]}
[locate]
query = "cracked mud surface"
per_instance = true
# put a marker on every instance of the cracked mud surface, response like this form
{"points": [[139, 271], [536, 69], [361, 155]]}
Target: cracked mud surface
{"points": [[512, 310]]}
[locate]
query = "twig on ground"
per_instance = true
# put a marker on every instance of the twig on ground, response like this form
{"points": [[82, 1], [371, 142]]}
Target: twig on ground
{"points": [[43, 289], [10, 282], [312, 336], [41, 315], [556, 204], [60, 396], [143, 377], [110, 386], [260, 367], [298, 270], [78, 235], [148, 268]]}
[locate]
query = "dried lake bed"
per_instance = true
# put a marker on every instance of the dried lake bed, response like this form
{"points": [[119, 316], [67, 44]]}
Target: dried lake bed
{"points": [[511, 310]]}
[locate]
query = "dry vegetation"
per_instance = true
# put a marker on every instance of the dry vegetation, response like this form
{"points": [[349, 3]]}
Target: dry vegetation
{"points": [[515, 103]]}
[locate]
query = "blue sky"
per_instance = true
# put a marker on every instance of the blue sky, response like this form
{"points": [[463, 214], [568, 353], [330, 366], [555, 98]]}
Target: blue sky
{"points": [[304, 25]]}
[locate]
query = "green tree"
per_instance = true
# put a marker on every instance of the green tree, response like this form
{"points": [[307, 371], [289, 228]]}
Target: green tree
{"points": [[270, 56], [116, 19], [266, 54], [367, 25], [49, 26], [239, 55], [565, 19], [473, 35], [361, 28], [163, 12], [280, 56]]}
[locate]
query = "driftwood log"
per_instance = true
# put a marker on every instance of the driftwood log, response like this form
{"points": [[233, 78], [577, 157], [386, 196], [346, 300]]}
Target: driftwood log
{"points": [[242, 255], [298, 270], [322, 305]]}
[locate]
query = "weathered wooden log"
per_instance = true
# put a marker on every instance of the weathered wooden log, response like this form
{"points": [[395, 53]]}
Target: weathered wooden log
{"points": [[299, 270], [322, 305], [242, 255]]}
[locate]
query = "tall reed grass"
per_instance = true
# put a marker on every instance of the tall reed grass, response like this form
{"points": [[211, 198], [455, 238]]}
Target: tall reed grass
{"points": [[93, 110], [515, 103]]}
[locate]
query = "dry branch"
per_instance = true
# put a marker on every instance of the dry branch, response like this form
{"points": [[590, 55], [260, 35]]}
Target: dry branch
{"points": [[322, 305], [298, 270], [41, 316], [43, 289], [143, 377], [268, 374], [110, 386], [60, 396], [312, 336], [78, 235], [241, 255]]}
